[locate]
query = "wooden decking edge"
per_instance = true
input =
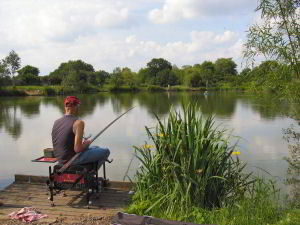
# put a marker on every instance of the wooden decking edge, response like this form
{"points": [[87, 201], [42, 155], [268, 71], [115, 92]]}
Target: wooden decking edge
{"points": [[21, 178]]}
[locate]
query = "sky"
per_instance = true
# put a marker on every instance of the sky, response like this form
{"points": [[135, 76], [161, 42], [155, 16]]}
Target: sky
{"points": [[124, 33]]}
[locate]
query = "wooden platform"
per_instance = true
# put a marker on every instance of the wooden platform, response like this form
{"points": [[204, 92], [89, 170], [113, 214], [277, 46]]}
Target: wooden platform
{"points": [[31, 191]]}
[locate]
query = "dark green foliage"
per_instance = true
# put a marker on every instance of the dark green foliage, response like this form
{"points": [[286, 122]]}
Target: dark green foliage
{"points": [[225, 67], [116, 78], [3, 72], [196, 79], [269, 75], [166, 77], [4, 92], [49, 91], [154, 88], [245, 72], [29, 70], [55, 79], [101, 77], [157, 65], [28, 79], [28, 75], [70, 72]]}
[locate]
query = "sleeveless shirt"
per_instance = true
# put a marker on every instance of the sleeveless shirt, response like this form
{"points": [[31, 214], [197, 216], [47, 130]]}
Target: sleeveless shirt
{"points": [[63, 138]]}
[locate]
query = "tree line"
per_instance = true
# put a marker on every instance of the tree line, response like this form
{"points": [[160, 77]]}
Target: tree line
{"points": [[158, 72], [80, 75]]}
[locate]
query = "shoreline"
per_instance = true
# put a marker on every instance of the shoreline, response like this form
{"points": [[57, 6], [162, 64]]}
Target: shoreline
{"points": [[59, 91]]}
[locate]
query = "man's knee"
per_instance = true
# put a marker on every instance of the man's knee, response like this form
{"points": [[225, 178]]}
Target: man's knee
{"points": [[107, 152]]}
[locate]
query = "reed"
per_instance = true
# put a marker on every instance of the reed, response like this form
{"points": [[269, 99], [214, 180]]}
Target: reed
{"points": [[191, 166]]}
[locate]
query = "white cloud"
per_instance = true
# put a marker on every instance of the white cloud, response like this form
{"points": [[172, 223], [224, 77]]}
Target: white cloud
{"points": [[174, 10], [106, 52], [45, 35], [27, 23]]}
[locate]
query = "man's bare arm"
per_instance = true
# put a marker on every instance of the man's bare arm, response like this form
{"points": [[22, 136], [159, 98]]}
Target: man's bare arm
{"points": [[78, 127]]}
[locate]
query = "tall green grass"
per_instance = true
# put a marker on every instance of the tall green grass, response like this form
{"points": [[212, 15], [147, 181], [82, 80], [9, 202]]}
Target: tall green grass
{"points": [[190, 175], [191, 166]]}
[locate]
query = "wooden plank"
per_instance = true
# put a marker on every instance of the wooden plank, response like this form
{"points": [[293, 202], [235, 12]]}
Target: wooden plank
{"points": [[123, 185], [43, 193], [19, 178], [75, 202], [69, 208], [107, 198], [100, 197]]}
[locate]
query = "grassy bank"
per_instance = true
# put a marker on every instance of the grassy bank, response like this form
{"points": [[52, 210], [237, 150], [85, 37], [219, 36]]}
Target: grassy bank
{"points": [[190, 174], [60, 90], [44, 90]]}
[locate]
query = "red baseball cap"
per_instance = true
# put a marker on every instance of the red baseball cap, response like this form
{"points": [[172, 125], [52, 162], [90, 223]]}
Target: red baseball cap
{"points": [[71, 100]]}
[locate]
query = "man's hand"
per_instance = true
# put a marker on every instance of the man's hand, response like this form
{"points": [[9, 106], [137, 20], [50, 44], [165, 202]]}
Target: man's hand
{"points": [[86, 142]]}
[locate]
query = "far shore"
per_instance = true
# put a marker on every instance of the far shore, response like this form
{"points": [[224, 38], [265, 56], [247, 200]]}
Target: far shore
{"points": [[11, 91]]}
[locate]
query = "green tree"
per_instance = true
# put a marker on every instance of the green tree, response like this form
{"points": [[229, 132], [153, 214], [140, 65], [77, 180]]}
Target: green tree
{"points": [[92, 79], [12, 63], [55, 79], [225, 67], [196, 79], [142, 76], [166, 77], [245, 72], [116, 78], [28, 75], [78, 80], [67, 68], [45, 80], [101, 77], [278, 35], [179, 74], [29, 70], [208, 72], [130, 78], [157, 65], [3, 73]]}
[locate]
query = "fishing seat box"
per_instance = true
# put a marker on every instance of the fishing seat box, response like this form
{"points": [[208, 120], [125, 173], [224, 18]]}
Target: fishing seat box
{"points": [[48, 153]]}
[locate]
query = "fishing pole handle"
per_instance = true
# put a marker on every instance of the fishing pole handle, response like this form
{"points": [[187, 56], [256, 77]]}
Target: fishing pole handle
{"points": [[87, 137]]}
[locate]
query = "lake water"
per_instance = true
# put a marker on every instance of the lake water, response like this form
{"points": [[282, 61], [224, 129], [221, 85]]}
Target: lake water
{"points": [[26, 123]]}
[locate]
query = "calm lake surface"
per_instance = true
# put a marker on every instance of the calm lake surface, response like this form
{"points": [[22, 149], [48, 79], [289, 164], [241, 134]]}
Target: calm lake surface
{"points": [[26, 123]]}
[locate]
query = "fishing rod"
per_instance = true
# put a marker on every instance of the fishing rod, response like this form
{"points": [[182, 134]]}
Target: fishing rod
{"points": [[67, 164]]}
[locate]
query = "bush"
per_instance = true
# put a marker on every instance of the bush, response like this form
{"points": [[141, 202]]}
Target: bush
{"points": [[123, 89], [192, 158], [12, 92], [154, 88], [192, 176], [49, 91]]}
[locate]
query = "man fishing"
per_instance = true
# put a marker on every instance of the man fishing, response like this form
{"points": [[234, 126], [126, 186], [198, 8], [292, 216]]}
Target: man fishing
{"points": [[67, 137]]}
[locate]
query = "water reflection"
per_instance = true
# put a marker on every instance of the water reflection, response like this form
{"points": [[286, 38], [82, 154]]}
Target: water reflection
{"points": [[87, 103], [221, 105], [9, 121], [121, 101], [158, 103], [26, 123]]}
